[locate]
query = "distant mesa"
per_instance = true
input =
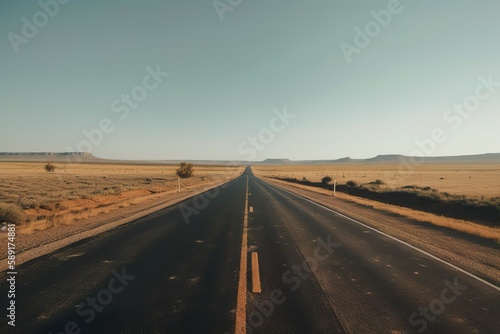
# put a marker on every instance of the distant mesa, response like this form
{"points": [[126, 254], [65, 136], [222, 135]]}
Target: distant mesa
{"points": [[398, 158], [45, 153], [277, 161], [487, 158], [345, 160], [48, 157], [85, 157], [385, 158]]}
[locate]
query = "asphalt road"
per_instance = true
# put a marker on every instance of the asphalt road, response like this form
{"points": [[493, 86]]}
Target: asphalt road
{"points": [[178, 271]]}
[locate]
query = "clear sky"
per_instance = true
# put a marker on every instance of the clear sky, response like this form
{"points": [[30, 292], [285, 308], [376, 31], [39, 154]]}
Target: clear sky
{"points": [[360, 78]]}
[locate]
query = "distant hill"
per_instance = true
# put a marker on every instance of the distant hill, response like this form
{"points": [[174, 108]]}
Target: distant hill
{"points": [[48, 157], [276, 161], [88, 158], [487, 158], [82, 157], [474, 159]]}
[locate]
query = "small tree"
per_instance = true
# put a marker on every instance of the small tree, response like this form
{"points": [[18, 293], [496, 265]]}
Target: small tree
{"points": [[185, 170], [50, 167], [326, 180]]}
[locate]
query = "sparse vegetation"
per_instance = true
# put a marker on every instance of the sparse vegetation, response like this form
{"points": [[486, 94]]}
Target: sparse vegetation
{"points": [[466, 192], [326, 180], [11, 214], [351, 183], [475, 209], [83, 189], [185, 170], [50, 167], [472, 180], [474, 216]]}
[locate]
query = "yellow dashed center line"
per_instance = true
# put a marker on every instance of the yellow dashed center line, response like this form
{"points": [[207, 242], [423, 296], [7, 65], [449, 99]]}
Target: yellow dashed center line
{"points": [[241, 304], [256, 288]]}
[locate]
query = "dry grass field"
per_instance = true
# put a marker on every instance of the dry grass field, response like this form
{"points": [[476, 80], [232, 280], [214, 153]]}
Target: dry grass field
{"points": [[461, 197], [31, 195], [477, 181]]}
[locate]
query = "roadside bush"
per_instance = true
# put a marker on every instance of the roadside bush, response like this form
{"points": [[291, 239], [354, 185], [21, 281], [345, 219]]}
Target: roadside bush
{"points": [[326, 180], [376, 183], [351, 183], [11, 214], [185, 170], [50, 167]]}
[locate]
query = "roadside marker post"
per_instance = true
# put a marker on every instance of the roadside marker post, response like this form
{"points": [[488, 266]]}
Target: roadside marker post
{"points": [[334, 187]]}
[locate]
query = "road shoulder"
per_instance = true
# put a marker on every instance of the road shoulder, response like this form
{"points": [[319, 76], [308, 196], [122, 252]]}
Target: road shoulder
{"points": [[476, 255]]}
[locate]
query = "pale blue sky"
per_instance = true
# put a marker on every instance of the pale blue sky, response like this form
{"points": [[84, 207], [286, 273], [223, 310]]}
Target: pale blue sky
{"points": [[227, 76]]}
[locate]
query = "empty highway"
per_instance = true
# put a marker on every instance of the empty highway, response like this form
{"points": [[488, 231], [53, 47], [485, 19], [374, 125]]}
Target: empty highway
{"points": [[248, 257]]}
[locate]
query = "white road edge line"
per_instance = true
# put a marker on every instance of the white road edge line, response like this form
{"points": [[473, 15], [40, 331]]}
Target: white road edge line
{"points": [[241, 303], [463, 271]]}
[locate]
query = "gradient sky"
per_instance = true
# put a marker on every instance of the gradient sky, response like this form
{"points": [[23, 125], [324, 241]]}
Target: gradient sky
{"points": [[227, 76]]}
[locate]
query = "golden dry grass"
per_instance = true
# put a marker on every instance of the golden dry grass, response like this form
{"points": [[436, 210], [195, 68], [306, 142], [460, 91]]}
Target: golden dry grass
{"points": [[456, 224], [474, 181], [455, 180], [78, 191]]}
